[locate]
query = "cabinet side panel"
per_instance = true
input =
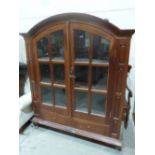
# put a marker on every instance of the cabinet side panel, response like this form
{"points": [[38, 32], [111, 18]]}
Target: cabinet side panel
{"points": [[121, 68], [30, 63]]}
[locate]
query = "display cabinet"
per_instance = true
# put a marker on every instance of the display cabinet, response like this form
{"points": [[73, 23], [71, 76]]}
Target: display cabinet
{"points": [[78, 68]]}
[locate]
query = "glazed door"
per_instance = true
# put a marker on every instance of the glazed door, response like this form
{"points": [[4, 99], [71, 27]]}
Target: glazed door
{"points": [[89, 72], [51, 69], [72, 71]]}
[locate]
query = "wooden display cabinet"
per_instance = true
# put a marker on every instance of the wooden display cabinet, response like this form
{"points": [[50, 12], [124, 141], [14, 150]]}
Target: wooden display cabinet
{"points": [[78, 68]]}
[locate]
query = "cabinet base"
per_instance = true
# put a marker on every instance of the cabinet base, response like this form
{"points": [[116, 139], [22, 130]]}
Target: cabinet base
{"points": [[74, 131]]}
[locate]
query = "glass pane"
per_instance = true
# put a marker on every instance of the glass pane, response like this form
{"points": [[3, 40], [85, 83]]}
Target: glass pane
{"points": [[81, 101], [99, 77], [46, 94], [98, 103], [81, 44], [60, 96], [57, 43], [100, 48], [42, 46], [81, 75], [59, 74], [45, 73]]}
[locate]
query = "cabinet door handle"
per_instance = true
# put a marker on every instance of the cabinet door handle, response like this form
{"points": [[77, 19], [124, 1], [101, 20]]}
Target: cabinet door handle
{"points": [[71, 73]]}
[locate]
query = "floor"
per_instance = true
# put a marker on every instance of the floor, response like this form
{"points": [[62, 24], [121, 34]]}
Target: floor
{"points": [[41, 141]]}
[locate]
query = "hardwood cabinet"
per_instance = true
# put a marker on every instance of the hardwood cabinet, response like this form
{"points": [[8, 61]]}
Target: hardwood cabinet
{"points": [[78, 67]]}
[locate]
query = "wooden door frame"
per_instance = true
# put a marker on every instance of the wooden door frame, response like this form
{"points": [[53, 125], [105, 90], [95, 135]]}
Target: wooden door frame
{"points": [[49, 30], [98, 31]]}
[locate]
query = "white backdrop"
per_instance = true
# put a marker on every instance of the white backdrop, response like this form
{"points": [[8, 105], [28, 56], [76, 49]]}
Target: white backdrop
{"points": [[120, 13]]}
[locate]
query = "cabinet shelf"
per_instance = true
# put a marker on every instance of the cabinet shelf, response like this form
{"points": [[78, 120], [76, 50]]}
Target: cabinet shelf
{"points": [[81, 62], [43, 59], [45, 83], [102, 91], [76, 62], [93, 63], [54, 60], [56, 85], [59, 85], [57, 60], [100, 63], [85, 89]]}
